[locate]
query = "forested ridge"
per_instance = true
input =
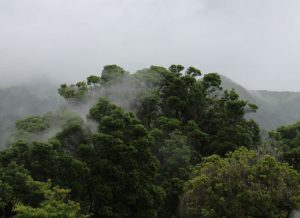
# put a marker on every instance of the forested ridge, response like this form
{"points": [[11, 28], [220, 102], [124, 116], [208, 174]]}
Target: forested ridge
{"points": [[165, 143]]}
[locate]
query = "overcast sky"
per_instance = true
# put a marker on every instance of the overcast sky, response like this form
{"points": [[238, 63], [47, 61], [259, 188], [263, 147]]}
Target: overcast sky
{"points": [[254, 42]]}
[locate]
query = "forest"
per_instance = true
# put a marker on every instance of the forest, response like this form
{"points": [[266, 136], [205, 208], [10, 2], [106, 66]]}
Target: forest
{"points": [[157, 143]]}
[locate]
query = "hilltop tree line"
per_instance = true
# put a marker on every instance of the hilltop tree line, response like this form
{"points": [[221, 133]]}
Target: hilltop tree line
{"points": [[164, 143]]}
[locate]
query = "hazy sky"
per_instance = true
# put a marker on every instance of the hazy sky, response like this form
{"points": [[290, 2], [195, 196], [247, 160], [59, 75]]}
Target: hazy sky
{"points": [[254, 42]]}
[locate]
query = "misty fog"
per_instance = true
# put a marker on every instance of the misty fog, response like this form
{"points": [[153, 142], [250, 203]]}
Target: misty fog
{"points": [[256, 43]]}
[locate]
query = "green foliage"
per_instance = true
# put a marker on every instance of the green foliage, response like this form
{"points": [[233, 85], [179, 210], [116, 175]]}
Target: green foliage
{"points": [[133, 164], [112, 72], [169, 101], [54, 205], [13, 188], [33, 124], [93, 80], [184, 96], [193, 71], [218, 116], [242, 184], [74, 91], [21, 196], [176, 68], [175, 170], [42, 128], [123, 166], [287, 140]]}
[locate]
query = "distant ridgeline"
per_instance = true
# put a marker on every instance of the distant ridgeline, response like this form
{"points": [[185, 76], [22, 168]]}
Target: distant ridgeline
{"points": [[161, 142], [274, 108]]}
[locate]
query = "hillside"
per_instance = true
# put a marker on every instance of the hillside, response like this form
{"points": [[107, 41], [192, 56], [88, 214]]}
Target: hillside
{"points": [[274, 108], [18, 102]]}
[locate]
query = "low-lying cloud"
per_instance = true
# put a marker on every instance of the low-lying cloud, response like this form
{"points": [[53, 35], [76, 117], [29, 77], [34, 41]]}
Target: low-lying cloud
{"points": [[256, 43]]}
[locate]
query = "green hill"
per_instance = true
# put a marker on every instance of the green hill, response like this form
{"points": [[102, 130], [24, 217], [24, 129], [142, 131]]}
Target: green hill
{"points": [[275, 108]]}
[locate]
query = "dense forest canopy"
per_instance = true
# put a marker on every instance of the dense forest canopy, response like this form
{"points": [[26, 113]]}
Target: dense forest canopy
{"points": [[37, 98], [164, 143]]}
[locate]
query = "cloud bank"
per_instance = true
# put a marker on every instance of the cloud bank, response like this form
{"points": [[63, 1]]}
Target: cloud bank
{"points": [[256, 43]]}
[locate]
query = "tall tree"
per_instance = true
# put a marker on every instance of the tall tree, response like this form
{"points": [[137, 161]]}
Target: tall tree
{"points": [[123, 168]]}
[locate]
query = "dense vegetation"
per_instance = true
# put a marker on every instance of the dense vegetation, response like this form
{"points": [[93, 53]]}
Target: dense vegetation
{"points": [[164, 143]]}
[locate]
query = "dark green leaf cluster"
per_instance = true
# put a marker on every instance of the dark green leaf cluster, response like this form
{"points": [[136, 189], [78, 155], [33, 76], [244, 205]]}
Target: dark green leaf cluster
{"points": [[286, 140], [23, 197]]}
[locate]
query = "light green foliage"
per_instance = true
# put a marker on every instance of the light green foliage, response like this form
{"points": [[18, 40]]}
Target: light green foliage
{"points": [[33, 124], [44, 127], [54, 205], [30, 128], [242, 184]]}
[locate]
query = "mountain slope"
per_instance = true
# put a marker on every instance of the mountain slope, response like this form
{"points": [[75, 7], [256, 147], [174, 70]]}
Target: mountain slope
{"points": [[274, 108]]}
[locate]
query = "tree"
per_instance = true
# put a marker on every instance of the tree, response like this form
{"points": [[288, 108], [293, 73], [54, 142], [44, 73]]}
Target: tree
{"points": [[14, 188], [41, 128], [112, 72], [21, 196], [74, 91], [93, 80], [175, 170], [119, 169], [185, 96], [32, 124], [218, 116], [287, 140], [243, 184], [123, 167], [193, 71], [55, 204]]}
